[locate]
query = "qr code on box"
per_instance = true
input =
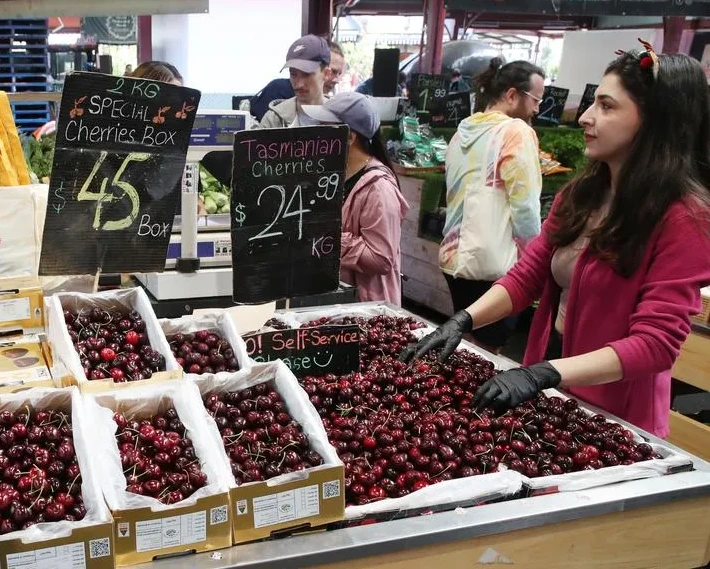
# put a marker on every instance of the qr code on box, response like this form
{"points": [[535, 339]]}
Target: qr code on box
{"points": [[218, 515], [331, 489], [99, 548]]}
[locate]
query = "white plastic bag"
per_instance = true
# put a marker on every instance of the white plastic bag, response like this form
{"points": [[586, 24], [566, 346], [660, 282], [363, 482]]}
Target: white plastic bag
{"points": [[22, 211], [68, 400], [65, 357], [295, 400], [144, 402], [217, 321]]}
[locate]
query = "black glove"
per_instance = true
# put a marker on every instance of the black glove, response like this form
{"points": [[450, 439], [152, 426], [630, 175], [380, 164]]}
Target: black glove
{"points": [[447, 335], [513, 387]]}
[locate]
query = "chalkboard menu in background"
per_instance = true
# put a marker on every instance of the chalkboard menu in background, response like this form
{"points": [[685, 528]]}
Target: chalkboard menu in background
{"points": [[586, 102], [309, 351], [118, 163], [458, 107], [385, 72], [287, 197], [429, 93], [551, 107], [588, 7]]}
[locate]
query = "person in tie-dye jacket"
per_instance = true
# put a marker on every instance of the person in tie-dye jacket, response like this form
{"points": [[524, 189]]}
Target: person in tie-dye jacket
{"points": [[493, 186]]}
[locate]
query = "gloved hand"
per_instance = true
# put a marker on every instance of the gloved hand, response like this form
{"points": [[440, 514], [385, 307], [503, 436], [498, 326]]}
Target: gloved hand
{"points": [[513, 387], [447, 335]]}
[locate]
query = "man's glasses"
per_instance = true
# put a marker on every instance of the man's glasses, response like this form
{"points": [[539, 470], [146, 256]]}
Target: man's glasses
{"points": [[537, 100]]}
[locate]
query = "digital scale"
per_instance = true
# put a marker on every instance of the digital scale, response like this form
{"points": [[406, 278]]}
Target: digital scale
{"points": [[199, 257]]}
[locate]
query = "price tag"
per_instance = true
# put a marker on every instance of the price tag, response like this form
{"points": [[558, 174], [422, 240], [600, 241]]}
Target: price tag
{"points": [[119, 160], [551, 107], [309, 351], [458, 107], [586, 102], [429, 93], [286, 211]]}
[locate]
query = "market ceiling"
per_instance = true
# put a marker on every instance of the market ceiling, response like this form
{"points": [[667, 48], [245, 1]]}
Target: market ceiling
{"points": [[59, 8], [545, 7]]}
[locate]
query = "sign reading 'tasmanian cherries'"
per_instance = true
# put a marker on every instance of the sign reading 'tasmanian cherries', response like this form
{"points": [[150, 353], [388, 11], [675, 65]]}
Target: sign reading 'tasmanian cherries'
{"points": [[309, 351], [118, 163], [287, 197]]}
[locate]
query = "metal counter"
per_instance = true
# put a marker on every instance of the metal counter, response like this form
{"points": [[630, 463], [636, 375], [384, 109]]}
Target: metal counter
{"points": [[441, 528]]}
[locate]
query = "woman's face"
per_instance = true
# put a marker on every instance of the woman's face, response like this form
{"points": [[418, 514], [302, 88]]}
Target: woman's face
{"points": [[611, 123]]}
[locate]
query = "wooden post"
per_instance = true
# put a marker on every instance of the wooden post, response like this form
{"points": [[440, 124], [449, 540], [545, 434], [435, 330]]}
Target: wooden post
{"points": [[435, 19]]}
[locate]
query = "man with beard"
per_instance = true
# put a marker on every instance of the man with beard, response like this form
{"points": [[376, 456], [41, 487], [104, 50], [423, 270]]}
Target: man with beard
{"points": [[493, 184]]}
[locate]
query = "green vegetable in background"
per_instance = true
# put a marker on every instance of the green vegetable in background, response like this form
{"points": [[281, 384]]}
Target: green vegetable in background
{"points": [[210, 205]]}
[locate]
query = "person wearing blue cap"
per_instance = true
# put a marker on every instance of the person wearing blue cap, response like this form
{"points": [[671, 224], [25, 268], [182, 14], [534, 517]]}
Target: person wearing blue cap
{"points": [[373, 205], [306, 60]]}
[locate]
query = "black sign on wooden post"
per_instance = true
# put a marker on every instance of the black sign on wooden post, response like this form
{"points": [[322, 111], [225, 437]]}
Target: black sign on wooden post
{"points": [[458, 107], [287, 196], [552, 106], [586, 102], [116, 174], [309, 351], [429, 93]]}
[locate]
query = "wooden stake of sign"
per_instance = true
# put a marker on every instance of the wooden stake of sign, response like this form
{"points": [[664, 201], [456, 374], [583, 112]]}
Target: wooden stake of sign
{"points": [[116, 174], [286, 211]]}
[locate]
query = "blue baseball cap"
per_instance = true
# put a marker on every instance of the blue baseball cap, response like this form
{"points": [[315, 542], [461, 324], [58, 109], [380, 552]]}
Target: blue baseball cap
{"points": [[353, 109], [307, 54]]}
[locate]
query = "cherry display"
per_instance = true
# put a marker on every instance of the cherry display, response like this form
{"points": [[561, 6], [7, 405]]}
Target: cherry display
{"points": [[400, 428], [157, 457], [203, 352], [41, 480], [260, 437], [113, 344]]}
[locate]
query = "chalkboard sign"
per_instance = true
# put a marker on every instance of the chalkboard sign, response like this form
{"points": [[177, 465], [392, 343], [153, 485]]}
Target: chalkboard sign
{"points": [[118, 163], [429, 93], [287, 197], [458, 107], [309, 351], [551, 107], [586, 102]]}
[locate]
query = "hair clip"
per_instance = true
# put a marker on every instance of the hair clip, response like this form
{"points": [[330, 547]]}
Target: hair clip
{"points": [[647, 59]]}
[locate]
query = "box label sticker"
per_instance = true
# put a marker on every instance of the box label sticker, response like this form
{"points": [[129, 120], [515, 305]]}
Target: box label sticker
{"points": [[69, 556], [124, 529], [218, 515], [242, 507], [15, 309], [171, 532], [286, 506], [100, 548]]}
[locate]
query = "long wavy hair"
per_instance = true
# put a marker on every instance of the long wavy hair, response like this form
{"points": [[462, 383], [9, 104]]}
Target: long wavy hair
{"points": [[669, 161]]}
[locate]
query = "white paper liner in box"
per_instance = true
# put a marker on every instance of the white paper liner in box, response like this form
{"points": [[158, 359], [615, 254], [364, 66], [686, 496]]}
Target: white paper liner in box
{"points": [[340, 311], [505, 483], [63, 353], [586, 479], [142, 403], [295, 400], [218, 321], [96, 510], [21, 235]]}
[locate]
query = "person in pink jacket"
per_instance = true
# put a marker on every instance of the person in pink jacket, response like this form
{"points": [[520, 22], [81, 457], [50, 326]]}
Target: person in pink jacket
{"points": [[373, 207], [620, 262]]}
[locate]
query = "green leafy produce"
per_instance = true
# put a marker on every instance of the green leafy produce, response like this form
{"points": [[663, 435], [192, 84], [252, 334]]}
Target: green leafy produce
{"points": [[215, 195], [39, 154]]}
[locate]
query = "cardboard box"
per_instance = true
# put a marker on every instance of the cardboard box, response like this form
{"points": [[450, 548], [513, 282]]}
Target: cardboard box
{"points": [[307, 499], [63, 544], [67, 370], [144, 527], [21, 307], [704, 316]]}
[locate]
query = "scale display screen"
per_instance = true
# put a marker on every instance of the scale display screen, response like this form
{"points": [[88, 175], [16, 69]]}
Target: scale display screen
{"points": [[216, 129]]}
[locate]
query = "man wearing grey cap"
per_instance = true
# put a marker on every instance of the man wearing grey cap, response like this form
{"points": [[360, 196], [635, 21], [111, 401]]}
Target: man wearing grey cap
{"points": [[306, 60]]}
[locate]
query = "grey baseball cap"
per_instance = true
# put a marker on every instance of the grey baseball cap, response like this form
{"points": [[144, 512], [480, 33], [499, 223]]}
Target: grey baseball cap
{"points": [[307, 53], [353, 109]]}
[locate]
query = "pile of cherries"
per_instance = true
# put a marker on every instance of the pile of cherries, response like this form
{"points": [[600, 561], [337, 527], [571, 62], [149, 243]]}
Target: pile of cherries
{"points": [[399, 428], [203, 352], [113, 344], [260, 437], [41, 481], [157, 457]]}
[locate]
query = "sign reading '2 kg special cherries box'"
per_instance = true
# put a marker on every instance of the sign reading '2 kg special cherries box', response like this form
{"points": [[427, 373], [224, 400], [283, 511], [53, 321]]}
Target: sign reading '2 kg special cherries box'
{"points": [[116, 175]]}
